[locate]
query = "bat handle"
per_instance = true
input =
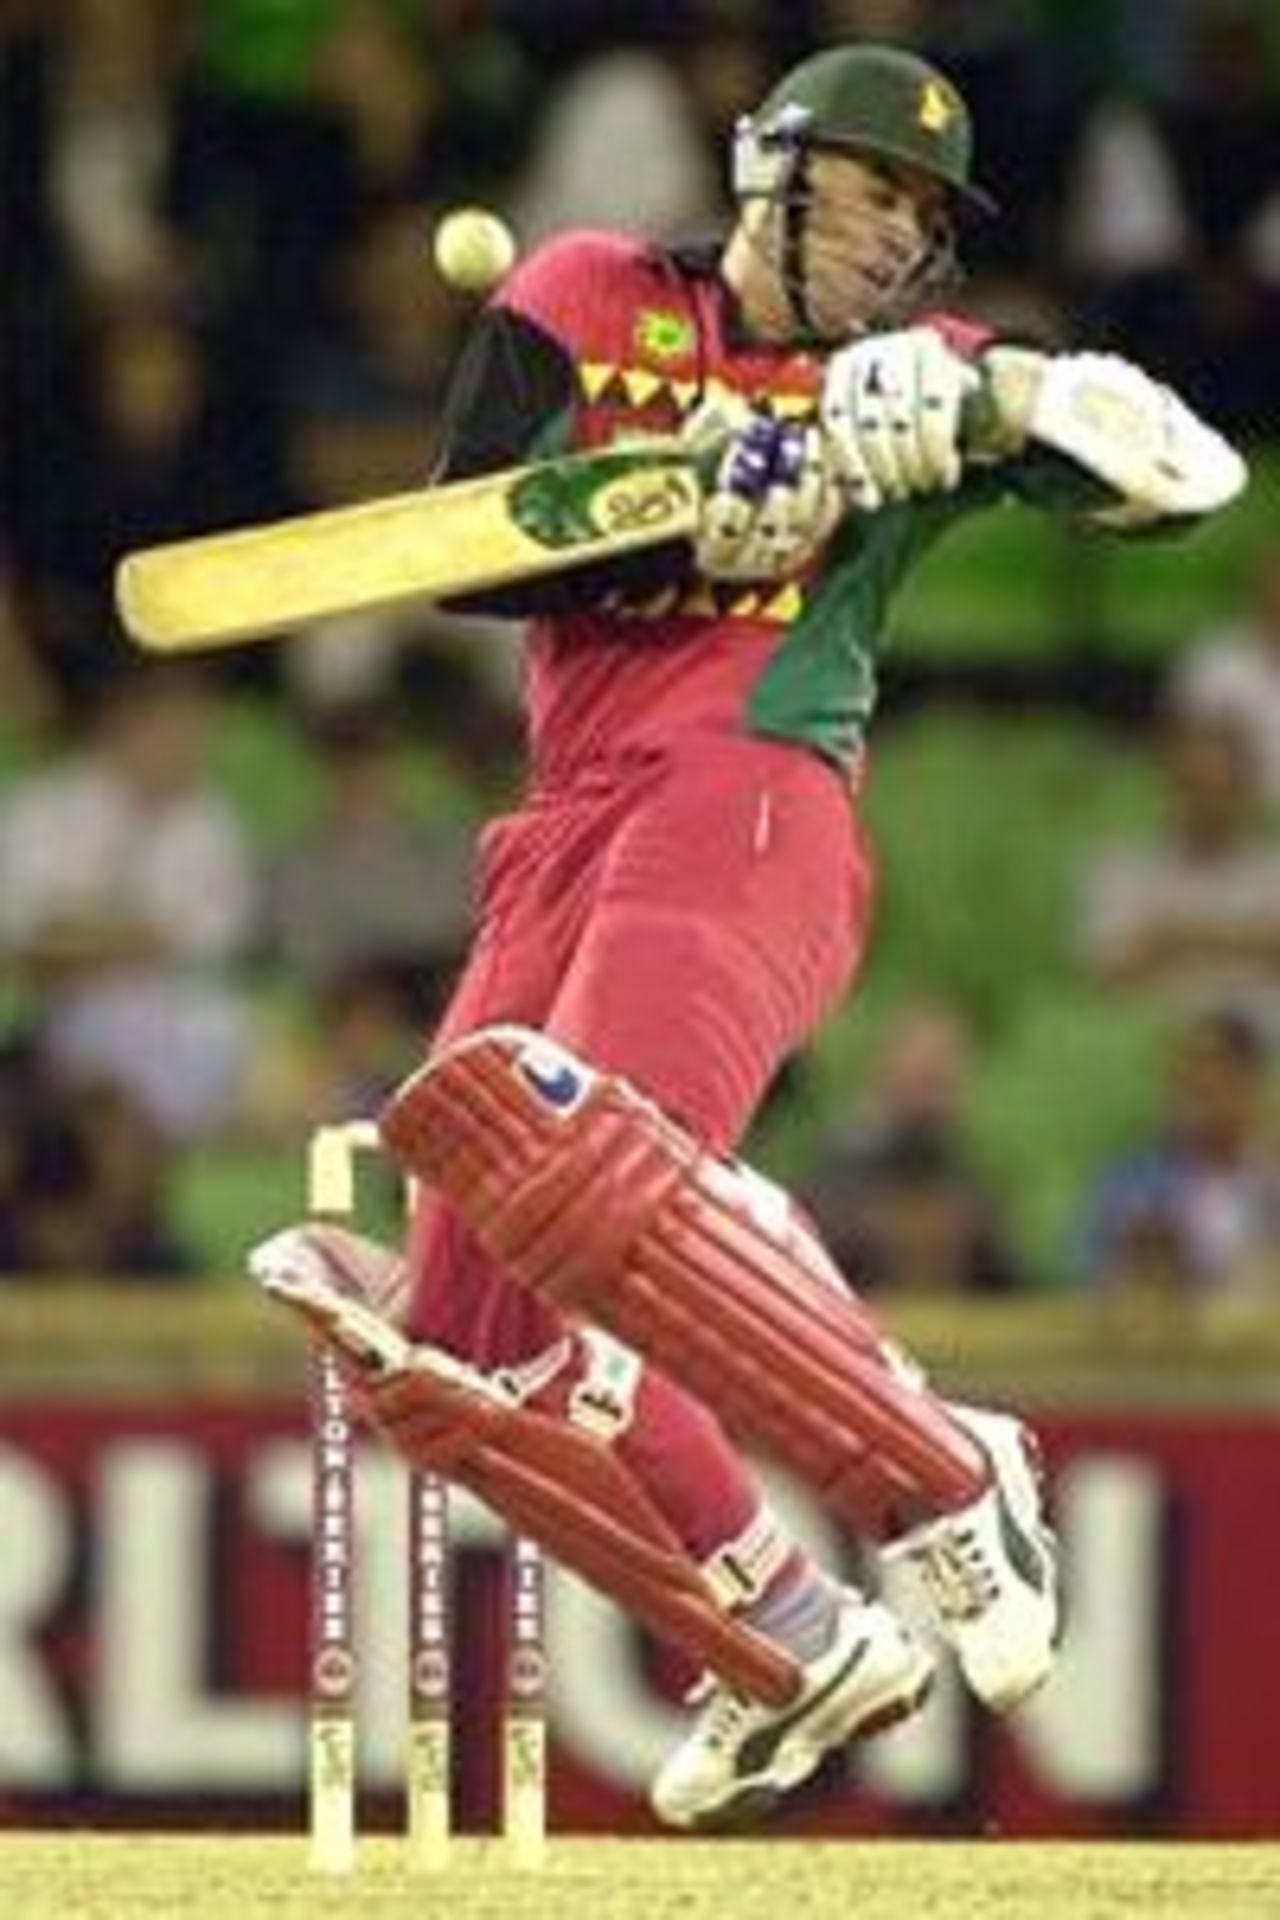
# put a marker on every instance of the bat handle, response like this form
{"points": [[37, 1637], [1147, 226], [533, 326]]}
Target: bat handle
{"points": [[995, 417]]}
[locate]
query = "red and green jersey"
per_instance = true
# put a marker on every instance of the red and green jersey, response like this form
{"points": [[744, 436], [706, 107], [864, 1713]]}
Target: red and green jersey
{"points": [[599, 336]]}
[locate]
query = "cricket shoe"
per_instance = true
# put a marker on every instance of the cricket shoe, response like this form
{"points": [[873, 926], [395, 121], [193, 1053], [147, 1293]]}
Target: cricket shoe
{"points": [[991, 1569], [740, 1758]]}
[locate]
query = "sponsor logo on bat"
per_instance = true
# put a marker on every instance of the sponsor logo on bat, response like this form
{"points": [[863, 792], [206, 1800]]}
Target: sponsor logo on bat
{"points": [[642, 500], [619, 492]]}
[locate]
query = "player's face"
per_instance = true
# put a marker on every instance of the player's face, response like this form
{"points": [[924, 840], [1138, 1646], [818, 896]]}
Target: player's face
{"points": [[869, 226]]}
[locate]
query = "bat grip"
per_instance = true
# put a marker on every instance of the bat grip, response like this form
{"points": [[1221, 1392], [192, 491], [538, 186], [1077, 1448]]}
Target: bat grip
{"points": [[995, 418]]}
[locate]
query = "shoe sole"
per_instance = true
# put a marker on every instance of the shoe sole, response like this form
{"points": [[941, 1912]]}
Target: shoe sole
{"points": [[754, 1798]]}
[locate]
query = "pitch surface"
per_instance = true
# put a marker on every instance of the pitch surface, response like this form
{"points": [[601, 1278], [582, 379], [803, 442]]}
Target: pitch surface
{"points": [[82, 1876]]}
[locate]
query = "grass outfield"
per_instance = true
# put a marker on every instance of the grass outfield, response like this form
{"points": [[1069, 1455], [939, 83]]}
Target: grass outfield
{"points": [[83, 1876]]}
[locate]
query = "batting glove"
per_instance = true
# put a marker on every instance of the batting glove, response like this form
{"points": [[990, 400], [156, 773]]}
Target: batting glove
{"points": [[891, 411], [772, 503]]}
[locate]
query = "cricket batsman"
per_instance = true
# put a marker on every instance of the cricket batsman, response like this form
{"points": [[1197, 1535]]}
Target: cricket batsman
{"points": [[598, 1305]]}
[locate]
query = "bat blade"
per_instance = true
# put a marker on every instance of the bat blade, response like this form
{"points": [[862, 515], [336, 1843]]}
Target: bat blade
{"points": [[463, 537]]}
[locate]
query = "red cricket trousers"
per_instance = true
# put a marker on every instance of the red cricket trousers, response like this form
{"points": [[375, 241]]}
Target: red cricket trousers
{"points": [[685, 916]]}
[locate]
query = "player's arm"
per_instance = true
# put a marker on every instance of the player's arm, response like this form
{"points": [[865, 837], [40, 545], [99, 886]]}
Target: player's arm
{"points": [[910, 413], [771, 496], [510, 400]]}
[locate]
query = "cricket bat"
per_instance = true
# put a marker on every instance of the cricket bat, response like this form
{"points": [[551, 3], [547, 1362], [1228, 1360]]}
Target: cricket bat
{"points": [[462, 537]]}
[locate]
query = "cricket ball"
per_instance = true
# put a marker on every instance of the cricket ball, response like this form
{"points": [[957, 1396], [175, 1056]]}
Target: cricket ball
{"points": [[473, 249]]}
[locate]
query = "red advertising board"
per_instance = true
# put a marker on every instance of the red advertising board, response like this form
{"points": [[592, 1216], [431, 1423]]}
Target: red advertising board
{"points": [[152, 1641]]}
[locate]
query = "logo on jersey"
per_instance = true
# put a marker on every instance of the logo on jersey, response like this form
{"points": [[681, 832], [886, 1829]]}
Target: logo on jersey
{"points": [[664, 335], [553, 1077]]}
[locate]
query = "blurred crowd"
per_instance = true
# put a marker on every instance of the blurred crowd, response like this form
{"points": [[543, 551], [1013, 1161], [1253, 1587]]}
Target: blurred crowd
{"points": [[230, 903]]}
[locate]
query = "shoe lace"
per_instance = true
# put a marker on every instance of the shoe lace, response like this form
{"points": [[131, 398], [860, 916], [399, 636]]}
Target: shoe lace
{"points": [[723, 1718], [959, 1574]]}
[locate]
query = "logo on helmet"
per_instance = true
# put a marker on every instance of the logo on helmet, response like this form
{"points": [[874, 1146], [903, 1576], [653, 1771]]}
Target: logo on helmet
{"points": [[938, 108]]}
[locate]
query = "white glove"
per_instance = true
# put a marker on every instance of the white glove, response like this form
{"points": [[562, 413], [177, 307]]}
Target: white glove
{"points": [[773, 502], [1133, 434], [891, 411]]}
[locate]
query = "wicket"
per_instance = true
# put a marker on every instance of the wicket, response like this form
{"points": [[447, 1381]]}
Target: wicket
{"points": [[333, 1154]]}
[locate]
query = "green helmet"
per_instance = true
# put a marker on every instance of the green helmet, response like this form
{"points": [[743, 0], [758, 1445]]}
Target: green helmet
{"points": [[862, 99]]}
